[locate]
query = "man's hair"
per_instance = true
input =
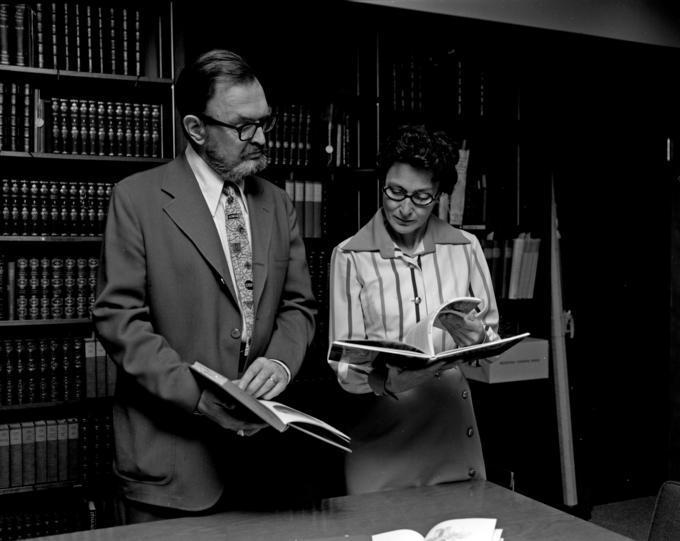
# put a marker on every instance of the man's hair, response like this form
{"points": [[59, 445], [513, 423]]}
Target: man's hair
{"points": [[422, 148], [196, 83]]}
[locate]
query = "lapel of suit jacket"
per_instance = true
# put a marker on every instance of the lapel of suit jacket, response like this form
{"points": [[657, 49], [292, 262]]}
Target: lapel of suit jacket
{"points": [[188, 210], [260, 209]]}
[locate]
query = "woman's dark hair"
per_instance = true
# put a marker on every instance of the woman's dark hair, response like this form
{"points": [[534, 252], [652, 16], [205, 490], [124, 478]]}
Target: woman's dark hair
{"points": [[421, 148], [196, 83]]}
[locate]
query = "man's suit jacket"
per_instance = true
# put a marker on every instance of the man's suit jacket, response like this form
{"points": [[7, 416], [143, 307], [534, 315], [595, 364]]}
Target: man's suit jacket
{"points": [[165, 300]]}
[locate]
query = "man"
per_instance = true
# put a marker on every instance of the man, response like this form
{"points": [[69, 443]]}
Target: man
{"points": [[176, 287]]}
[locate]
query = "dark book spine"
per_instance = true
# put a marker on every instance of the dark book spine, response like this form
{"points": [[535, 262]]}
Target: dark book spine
{"points": [[56, 144], [32, 362], [54, 37], [102, 149], [119, 129], [66, 141], [40, 452], [44, 389], [21, 288], [70, 286], [89, 35], [20, 371], [10, 396], [78, 57], [100, 40], [84, 127], [137, 43], [110, 128], [146, 130], [156, 132], [92, 127], [55, 371], [75, 142], [67, 38], [19, 12], [4, 456], [4, 34], [40, 35], [128, 129], [2, 115], [13, 116], [15, 455], [27, 124], [137, 144], [112, 39], [28, 453], [124, 41]]}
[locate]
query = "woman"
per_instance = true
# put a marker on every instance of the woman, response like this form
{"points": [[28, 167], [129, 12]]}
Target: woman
{"points": [[418, 427]]}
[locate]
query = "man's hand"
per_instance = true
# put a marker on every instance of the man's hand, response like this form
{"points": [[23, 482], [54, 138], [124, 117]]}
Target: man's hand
{"points": [[264, 378], [211, 407]]}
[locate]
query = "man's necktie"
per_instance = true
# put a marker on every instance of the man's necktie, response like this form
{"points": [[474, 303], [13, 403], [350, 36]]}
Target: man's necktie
{"points": [[241, 257]]}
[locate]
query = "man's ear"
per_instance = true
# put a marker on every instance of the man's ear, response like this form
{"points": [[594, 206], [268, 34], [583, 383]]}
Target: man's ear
{"points": [[194, 128]]}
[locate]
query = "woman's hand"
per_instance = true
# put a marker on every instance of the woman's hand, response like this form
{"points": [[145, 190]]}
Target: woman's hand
{"points": [[465, 329]]}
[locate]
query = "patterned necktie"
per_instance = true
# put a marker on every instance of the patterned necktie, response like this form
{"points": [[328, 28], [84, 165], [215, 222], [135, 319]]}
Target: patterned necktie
{"points": [[241, 256]]}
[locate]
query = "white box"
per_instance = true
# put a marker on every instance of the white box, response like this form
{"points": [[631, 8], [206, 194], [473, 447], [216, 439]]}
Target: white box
{"points": [[526, 360]]}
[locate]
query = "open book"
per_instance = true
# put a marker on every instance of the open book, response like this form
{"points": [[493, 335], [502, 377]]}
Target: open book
{"points": [[457, 529], [418, 347], [275, 414]]}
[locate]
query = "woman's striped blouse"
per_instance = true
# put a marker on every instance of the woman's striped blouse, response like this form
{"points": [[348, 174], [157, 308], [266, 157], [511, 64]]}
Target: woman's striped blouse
{"points": [[379, 292]]}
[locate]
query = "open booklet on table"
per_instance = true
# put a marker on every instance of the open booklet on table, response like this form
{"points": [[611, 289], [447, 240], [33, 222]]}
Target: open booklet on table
{"points": [[275, 414], [417, 348], [457, 529]]}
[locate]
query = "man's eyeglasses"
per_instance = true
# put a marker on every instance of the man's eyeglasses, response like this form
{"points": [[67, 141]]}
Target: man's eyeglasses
{"points": [[419, 199], [245, 131]]}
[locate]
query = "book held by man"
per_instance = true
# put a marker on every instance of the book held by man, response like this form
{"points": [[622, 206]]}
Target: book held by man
{"points": [[418, 348], [273, 413]]}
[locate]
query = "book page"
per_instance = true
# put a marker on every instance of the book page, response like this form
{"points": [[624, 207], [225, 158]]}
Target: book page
{"points": [[420, 336], [290, 415], [398, 535], [463, 529]]}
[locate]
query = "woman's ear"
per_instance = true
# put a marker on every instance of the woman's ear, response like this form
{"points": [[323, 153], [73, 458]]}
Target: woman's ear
{"points": [[194, 128]]}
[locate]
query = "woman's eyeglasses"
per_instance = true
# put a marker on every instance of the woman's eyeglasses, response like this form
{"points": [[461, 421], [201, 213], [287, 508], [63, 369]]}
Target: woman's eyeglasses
{"points": [[419, 199]]}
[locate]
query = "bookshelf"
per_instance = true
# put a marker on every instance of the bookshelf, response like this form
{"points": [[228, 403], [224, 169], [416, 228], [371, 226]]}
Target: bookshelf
{"points": [[86, 98]]}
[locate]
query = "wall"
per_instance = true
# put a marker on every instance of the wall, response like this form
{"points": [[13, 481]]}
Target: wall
{"points": [[642, 21]]}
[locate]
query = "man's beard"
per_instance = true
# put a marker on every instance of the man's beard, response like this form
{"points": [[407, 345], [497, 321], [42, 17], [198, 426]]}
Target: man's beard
{"points": [[240, 171]]}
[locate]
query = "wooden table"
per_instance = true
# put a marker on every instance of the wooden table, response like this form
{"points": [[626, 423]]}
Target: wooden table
{"points": [[521, 518]]}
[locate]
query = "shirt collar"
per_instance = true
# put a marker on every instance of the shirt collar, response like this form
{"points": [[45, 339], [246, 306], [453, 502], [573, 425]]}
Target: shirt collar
{"points": [[373, 237], [208, 181]]}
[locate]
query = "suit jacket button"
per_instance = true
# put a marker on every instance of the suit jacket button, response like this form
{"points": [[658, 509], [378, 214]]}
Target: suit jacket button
{"points": [[470, 432], [236, 333], [472, 472]]}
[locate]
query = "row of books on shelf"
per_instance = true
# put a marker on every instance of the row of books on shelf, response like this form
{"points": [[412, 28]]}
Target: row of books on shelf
{"points": [[76, 36], [33, 288], [342, 137], [307, 196], [449, 79], [290, 142], [45, 370], [42, 517], [41, 207], [54, 450], [79, 125], [513, 265]]}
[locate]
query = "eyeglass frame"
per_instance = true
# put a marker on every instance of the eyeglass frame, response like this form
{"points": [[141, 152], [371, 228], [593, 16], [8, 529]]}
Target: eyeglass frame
{"points": [[407, 195], [239, 129]]}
